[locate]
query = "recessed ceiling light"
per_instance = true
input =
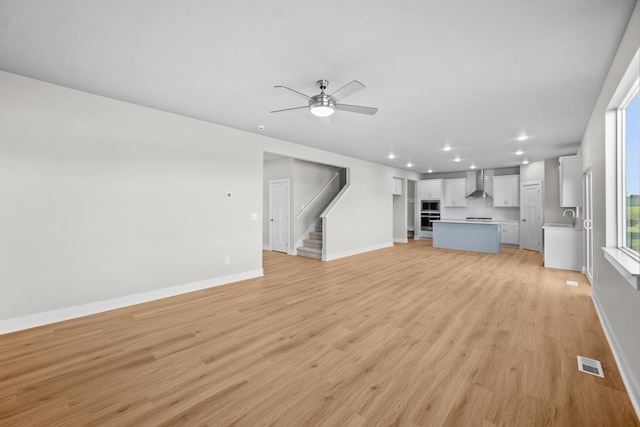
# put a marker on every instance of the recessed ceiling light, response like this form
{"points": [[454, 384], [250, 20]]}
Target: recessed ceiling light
{"points": [[260, 127], [523, 138], [430, 171], [447, 148], [525, 162], [519, 153], [409, 165], [472, 167], [457, 159], [392, 156]]}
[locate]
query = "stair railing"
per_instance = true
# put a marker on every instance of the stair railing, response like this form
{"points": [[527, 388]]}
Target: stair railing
{"points": [[314, 198]]}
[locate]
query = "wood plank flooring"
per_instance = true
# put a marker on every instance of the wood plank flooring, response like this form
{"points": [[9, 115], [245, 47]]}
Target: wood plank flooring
{"points": [[409, 335]]}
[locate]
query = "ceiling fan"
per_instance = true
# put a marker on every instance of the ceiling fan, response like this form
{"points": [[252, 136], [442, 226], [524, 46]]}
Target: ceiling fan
{"points": [[323, 105]]}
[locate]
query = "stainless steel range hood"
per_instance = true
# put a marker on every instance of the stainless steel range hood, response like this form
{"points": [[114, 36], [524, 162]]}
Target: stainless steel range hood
{"points": [[479, 193]]}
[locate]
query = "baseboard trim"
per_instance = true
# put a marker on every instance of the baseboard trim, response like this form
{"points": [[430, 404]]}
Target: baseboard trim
{"points": [[400, 240], [358, 251], [68, 313], [630, 383]]}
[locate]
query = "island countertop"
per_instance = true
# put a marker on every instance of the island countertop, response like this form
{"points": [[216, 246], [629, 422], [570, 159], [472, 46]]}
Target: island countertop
{"points": [[469, 221]]}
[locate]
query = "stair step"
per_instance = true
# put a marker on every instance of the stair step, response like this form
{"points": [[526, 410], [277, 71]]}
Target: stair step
{"points": [[312, 243], [310, 252], [316, 235], [319, 228]]}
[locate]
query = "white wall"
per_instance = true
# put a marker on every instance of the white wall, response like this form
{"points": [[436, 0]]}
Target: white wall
{"points": [[618, 302], [103, 199], [534, 171], [359, 223]]}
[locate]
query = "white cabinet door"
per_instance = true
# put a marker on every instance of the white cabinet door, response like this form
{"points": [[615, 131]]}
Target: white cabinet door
{"points": [[506, 191], [431, 189], [570, 180], [455, 193], [510, 233]]}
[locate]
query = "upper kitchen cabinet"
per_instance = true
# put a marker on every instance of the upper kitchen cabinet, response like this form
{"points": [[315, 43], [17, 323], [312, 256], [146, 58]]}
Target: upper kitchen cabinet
{"points": [[506, 191], [397, 186], [431, 189], [455, 193], [570, 181]]}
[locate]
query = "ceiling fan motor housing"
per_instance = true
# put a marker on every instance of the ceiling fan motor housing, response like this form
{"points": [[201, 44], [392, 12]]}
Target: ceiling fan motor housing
{"points": [[322, 105]]}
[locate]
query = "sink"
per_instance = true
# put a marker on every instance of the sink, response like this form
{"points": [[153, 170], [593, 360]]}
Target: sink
{"points": [[558, 225]]}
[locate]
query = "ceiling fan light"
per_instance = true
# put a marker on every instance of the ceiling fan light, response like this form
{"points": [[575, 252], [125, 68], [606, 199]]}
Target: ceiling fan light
{"points": [[321, 110]]}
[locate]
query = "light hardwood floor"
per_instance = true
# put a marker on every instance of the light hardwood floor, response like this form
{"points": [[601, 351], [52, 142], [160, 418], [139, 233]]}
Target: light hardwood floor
{"points": [[409, 335]]}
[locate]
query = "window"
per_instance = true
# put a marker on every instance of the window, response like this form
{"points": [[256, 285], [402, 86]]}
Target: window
{"points": [[622, 176], [628, 172]]}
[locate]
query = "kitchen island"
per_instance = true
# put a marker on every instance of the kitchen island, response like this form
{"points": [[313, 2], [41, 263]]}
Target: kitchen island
{"points": [[477, 236]]}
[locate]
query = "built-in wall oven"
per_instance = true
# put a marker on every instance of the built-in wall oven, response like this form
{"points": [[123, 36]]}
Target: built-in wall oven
{"points": [[426, 220], [429, 212]]}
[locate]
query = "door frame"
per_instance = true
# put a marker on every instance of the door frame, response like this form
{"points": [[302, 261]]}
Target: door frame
{"points": [[287, 223], [538, 184], [587, 176]]}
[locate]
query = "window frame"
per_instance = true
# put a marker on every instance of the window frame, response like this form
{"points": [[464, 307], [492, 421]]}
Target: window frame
{"points": [[621, 177], [624, 261]]}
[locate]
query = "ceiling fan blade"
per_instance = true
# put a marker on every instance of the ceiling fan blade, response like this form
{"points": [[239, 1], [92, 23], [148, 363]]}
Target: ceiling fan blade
{"points": [[348, 89], [295, 92], [290, 109], [357, 109]]}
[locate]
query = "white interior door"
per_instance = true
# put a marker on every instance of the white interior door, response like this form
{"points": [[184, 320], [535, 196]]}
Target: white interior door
{"points": [[588, 225], [279, 215], [531, 216]]}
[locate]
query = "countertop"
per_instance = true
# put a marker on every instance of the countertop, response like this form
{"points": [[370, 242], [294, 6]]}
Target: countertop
{"points": [[464, 221], [560, 226]]}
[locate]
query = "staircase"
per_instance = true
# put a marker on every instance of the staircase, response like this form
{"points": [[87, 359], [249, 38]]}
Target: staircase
{"points": [[312, 247]]}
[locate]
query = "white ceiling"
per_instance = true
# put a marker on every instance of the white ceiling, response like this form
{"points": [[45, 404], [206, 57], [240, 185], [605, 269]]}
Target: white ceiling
{"points": [[472, 74]]}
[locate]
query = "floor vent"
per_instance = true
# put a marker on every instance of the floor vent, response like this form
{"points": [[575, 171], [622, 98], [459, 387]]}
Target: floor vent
{"points": [[571, 283], [590, 366]]}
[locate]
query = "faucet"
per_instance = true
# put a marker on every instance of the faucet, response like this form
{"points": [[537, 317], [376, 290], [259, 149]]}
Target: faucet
{"points": [[573, 214]]}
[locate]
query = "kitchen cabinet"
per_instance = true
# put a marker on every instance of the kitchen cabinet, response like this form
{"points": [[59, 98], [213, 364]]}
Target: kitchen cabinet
{"points": [[506, 191], [455, 193], [431, 189], [570, 181], [397, 186], [510, 233]]}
